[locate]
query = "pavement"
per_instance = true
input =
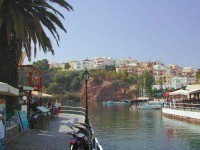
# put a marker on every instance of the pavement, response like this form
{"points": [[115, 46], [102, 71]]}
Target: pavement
{"points": [[54, 137]]}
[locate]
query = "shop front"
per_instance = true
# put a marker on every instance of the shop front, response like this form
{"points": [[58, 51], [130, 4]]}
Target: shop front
{"points": [[11, 126]]}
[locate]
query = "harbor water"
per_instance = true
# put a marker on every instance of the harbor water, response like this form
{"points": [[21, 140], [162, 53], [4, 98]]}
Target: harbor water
{"points": [[120, 128]]}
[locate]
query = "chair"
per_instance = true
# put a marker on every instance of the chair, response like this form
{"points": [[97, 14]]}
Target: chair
{"points": [[40, 121]]}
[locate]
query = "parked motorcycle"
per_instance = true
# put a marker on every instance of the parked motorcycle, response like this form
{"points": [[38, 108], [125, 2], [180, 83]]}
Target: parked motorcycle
{"points": [[79, 140]]}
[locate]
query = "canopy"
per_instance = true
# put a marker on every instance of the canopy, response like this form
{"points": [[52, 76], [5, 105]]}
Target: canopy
{"points": [[180, 92], [6, 89], [40, 94], [197, 91]]}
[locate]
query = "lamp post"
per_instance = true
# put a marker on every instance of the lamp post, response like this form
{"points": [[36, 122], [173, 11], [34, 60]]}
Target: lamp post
{"points": [[86, 77]]}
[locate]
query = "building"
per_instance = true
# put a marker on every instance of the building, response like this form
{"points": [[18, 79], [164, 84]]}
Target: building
{"points": [[102, 62], [188, 72], [175, 70], [30, 76], [86, 63], [179, 82]]}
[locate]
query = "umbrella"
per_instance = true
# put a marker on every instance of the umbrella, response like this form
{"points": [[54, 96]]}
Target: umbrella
{"points": [[40, 94], [6, 89], [180, 92]]}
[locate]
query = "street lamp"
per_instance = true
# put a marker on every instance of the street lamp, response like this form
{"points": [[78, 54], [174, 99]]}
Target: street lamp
{"points": [[86, 77]]}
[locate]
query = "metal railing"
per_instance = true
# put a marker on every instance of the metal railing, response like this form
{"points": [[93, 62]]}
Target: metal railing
{"points": [[73, 110], [183, 106], [94, 143]]}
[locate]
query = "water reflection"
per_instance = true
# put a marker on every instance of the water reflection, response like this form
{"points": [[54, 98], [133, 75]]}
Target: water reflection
{"points": [[117, 127]]}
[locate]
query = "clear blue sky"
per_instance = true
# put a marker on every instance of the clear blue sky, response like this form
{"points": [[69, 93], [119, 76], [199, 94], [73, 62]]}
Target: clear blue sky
{"points": [[147, 30]]}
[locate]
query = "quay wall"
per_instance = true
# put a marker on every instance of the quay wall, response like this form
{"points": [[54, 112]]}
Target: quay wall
{"points": [[188, 116]]}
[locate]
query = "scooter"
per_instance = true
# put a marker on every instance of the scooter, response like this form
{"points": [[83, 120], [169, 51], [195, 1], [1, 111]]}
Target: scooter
{"points": [[79, 140]]}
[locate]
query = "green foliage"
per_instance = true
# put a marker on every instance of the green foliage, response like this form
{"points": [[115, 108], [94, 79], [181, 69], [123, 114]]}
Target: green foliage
{"points": [[61, 83], [42, 65], [96, 80], [131, 79], [145, 82], [54, 88], [75, 84], [198, 76], [60, 77], [111, 68], [27, 22], [119, 84], [67, 66]]}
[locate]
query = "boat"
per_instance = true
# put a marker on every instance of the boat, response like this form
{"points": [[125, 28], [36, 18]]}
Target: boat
{"points": [[126, 102], [108, 102], [147, 106]]}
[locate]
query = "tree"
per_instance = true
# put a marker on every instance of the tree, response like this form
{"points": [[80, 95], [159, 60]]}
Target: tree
{"points": [[22, 24], [145, 83], [42, 65], [198, 76], [67, 66], [75, 84]]}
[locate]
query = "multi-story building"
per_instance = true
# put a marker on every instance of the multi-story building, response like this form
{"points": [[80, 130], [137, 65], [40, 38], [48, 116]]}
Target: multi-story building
{"points": [[30, 76], [76, 65], [127, 61], [87, 64], [159, 70], [175, 70], [130, 68], [179, 82], [102, 62], [188, 72]]}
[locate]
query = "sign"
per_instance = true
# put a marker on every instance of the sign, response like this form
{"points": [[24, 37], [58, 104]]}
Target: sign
{"points": [[36, 87], [23, 120]]}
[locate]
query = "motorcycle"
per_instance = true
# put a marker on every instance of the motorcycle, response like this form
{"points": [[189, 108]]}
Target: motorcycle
{"points": [[79, 140]]}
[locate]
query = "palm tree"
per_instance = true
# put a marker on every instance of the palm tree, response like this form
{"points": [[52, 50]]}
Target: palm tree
{"points": [[22, 25]]}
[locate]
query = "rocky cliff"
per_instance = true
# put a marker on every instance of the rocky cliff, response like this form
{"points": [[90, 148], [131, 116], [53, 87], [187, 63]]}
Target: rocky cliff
{"points": [[106, 91]]}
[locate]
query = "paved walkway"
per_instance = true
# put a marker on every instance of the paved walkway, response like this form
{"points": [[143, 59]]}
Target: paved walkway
{"points": [[53, 137]]}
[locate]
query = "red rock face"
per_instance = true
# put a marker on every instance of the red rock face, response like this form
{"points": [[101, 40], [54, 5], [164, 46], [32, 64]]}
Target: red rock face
{"points": [[106, 91]]}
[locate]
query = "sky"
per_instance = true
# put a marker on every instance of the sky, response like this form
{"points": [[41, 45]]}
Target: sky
{"points": [[145, 30]]}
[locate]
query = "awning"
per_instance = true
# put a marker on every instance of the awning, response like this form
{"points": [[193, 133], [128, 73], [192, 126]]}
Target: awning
{"points": [[180, 92], [28, 88], [40, 94], [197, 91], [6, 89]]}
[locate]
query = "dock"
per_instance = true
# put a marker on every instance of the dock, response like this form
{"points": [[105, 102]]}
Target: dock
{"points": [[189, 114]]}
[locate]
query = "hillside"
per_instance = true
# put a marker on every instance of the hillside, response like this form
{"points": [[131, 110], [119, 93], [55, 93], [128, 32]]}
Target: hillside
{"points": [[107, 91]]}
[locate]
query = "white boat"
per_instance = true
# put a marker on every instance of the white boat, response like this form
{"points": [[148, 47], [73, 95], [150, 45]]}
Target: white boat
{"points": [[108, 102], [147, 106]]}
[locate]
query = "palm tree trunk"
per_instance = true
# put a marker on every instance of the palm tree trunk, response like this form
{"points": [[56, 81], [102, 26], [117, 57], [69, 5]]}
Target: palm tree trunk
{"points": [[9, 56]]}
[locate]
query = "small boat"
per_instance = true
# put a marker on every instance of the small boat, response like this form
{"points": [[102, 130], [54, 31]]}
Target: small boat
{"points": [[147, 106], [108, 102], [126, 102]]}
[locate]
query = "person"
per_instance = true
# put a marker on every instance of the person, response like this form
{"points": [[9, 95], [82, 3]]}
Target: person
{"points": [[58, 106], [2, 130], [174, 102], [49, 106]]}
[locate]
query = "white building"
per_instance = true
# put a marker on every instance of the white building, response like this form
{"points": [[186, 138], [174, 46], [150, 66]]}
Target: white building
{"points": [[89, 64], [102, 62], [179, 82]]}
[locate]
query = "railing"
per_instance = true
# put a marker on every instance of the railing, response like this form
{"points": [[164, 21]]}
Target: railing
{"points": [[183, 106], [73, 110], [94, 143]]}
